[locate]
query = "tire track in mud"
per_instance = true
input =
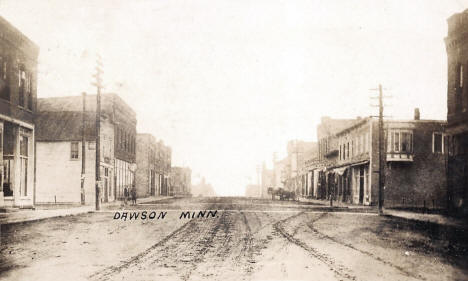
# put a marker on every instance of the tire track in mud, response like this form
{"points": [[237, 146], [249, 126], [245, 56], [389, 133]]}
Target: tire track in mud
{"points": [[247, 251], [201, 249], [182, 251], [113, 270], [321, 235], [339, 270]]}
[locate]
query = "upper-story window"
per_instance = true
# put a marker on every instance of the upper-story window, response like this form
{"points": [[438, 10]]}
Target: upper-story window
{"points": [[21, 85], [74, 150], [400, 141], [341, 152], [29, 90], [438, 143], [460, 76], [4, 87], [459, 88]]}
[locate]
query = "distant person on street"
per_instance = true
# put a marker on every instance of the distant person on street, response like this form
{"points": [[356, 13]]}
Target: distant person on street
{"points": [[134, 195], [125, 195]]}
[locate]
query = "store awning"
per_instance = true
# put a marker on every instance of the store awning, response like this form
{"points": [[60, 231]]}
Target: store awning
{"points": [[359, 163], [340, 171]]}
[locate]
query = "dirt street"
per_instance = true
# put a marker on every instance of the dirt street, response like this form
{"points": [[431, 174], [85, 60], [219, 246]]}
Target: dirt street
{"points": [[242, 239]]}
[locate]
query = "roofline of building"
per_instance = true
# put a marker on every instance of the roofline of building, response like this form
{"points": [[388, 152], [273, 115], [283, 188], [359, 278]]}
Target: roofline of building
{"points": [[113, 95], [366, 119], [20, 33]]}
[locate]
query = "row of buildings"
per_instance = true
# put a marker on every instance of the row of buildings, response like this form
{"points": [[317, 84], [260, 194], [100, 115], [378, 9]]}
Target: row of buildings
{"points": [[48, 145], [424, 162]]}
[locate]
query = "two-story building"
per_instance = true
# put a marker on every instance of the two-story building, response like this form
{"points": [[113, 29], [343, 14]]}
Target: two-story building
{"points": [[147, 178], [457, 111], [153, 166], [61, 126], [297, 151], [181, 181], [328, 152], [308, 164], [414, 169], [18, 94]]}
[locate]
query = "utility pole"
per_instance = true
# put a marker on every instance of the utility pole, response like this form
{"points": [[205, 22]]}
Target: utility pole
{"points": [[98, 84], [258, 179], [382, 153], [83, 151]]}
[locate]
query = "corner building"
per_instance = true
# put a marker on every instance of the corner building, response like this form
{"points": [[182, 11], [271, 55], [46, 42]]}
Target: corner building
{"points": [[59, 148], [18, 94]]}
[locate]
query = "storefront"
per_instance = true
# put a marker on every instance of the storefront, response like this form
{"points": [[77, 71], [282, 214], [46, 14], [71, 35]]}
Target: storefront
{"points": [[123, 177], [17, 158]]}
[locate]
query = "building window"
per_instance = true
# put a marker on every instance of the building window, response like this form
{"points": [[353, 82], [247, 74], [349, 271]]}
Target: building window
{"points": [[24, 142], [29, 91], [8, 170], [400, 142], [22, 86], [4, 87], [460, 76], [125, 141], [24, 146], [340, 153], [438, 143], [396, 142], [459, 88], [347, 150], [74, 150], [406, 141]]}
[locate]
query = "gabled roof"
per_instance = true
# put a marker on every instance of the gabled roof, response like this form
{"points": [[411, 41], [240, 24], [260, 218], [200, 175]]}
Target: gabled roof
{"points": [[109, 103], [64, 126]]}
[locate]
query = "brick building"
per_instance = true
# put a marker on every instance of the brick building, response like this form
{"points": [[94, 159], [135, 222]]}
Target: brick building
{"points": [[181, 181], [415, 163], [153, 166], [457, 111], [18, 94], [164, 167], [59, 148], [306, 172], [327, 153], [279, 172], [297, 154], [147, 179]]}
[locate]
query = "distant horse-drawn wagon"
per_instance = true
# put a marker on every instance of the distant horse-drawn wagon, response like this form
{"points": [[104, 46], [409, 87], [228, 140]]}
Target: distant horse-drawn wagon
{"points": [[281, 193]]}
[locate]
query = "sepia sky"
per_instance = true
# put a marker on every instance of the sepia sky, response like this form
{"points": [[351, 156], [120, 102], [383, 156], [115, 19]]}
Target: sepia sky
{"points": [[227, 83]]}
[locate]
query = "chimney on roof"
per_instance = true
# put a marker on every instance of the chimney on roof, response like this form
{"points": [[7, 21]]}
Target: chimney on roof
{"points": [[417, 115]]}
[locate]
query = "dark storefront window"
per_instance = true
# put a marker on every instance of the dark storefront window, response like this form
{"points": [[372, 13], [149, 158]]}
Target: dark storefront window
{"points": [[24, 142], [8, 163], [8, 169]]}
